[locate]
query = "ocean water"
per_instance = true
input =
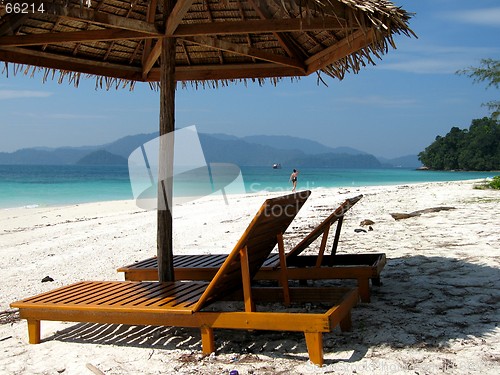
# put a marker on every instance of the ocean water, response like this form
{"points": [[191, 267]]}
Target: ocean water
{"points": [[41, 185], [49, 185]]}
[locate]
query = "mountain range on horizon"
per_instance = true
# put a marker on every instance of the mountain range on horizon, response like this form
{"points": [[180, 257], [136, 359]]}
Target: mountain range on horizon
{"points": [[257, 150]]}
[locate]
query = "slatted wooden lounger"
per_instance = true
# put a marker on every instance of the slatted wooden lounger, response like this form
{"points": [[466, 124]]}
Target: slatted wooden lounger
{"points": [[188, 303], [362, 267]]}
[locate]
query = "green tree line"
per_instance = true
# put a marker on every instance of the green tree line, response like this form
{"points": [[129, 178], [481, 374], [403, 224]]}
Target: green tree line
{"points": [[488, 71], [474, 149]]}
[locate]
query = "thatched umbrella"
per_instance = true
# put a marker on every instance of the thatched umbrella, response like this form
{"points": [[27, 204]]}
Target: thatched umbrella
{"points": [[205, 42]]}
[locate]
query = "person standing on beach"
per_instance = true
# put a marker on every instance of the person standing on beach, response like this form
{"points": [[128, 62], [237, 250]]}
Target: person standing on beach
{"points": [[293, 178]]}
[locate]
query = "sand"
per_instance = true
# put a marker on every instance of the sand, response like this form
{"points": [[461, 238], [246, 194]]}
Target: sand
{"points": [[437, 310]]}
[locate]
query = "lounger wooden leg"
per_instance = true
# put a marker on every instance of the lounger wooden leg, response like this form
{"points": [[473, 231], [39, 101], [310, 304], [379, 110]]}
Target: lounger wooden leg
{"points": [[34, 331], [314, 342], [346, 323], [207, 340], [364, 289]]}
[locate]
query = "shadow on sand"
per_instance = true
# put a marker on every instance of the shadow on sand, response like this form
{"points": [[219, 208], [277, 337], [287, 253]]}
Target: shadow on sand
{"points": [[424, 302]]}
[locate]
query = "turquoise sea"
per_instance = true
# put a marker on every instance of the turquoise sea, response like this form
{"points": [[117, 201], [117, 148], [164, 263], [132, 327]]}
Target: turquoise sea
{"points": [[42, 185]]}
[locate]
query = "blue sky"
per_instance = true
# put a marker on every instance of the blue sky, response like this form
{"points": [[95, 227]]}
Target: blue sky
{"points": [[395, 108]]}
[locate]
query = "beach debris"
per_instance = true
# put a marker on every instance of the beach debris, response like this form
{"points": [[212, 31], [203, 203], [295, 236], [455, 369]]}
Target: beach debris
{"points": [[370, 228], [9, 316], [366, 222], [5, 338], [94, 369], [189, 358], [359, 230], [400, 216], [47, 279]]}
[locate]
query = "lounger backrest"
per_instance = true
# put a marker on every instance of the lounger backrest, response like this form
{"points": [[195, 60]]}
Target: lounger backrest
{"points": [[318, 231], [259, 238]]}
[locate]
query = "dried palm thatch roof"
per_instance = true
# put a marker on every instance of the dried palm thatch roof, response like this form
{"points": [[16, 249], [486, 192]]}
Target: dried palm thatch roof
{"points": [[216, 40]]}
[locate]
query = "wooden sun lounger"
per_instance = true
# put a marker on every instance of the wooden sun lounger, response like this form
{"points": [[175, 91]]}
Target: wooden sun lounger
{"points": [[191, 303], [362, 267]]}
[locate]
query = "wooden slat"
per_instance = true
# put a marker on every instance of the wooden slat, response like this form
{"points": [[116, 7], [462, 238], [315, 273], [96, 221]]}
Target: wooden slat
{"points": [[11, 23], [238, 49], [259, 26], [157, 301], [151, 262], [245, 276], [282, 38], [175, 310], [44, 59], [150, 60], [71, 37], [257, 252], [156, 293], [105, 295], [176, 16], [182, 73], [344, 48], [142, 291], [327, 295], [266, 270], [271, 260], [59, 291], [322, 246], [115, 290], [276, 321], [283, 269], [186, 297], [174, 19], [337, 237], [88, 289], [150, 17], [231, 71], [98, 18], [318, 230], [215, 261], [200, 261]]}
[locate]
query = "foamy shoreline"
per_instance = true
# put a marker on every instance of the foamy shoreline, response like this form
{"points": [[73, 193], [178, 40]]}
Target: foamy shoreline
{"points": [[437, 310]]}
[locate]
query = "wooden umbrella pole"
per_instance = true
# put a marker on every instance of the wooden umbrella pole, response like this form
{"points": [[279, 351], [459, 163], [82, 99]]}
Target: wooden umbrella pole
{"points": [[166, 162]]}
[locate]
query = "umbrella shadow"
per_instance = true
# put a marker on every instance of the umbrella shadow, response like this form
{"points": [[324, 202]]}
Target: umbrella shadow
{"points": [[240, 345], [424, 302]]}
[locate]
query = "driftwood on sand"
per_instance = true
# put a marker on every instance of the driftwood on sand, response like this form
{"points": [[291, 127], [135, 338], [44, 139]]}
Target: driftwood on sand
{"points": [[399, 216], [94, 369]]}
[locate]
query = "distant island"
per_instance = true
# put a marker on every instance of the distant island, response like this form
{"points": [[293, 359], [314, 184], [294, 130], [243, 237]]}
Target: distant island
{"points": [[259, 150], [102, 157]]}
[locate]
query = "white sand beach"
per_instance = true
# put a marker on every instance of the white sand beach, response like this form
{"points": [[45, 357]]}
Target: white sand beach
{"points": [[437, 310]]}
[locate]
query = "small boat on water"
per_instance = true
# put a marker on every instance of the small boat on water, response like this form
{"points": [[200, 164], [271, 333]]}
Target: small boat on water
{"points": [[277, 166]]}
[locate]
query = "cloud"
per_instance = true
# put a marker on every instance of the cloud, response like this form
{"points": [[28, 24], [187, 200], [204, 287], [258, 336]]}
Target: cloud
{"points": [[432, 59], [484, 17], [427, 66], [378, 101], [61, 116], [23, 94], [74, 116]]}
